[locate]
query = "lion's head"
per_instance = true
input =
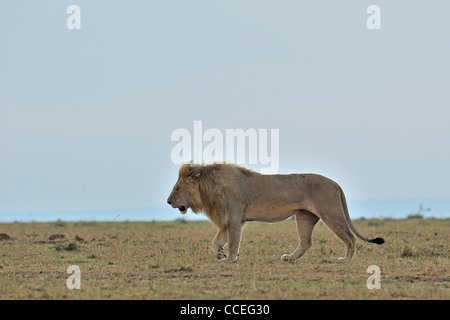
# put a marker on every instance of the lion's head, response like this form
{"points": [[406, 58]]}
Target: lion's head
{"points": [[185, 193], [206, 188]]}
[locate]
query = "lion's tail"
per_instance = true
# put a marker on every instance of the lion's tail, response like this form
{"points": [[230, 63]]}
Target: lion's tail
{"points": [[349, 222]]}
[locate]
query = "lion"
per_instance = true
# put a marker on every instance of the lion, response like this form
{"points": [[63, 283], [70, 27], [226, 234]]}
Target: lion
{"points": [[231, 195]]}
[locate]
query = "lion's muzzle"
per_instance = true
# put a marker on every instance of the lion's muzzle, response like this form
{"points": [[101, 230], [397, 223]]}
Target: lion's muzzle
{"points": [[182, 209]]}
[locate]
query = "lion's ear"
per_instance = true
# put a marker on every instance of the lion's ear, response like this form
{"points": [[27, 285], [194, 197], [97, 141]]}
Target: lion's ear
{"points": [[191, 172], [194, 174]]}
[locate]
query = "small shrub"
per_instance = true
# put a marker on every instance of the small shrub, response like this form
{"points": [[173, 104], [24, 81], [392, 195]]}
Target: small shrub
{"points": [[66, 246], [407, 252]]}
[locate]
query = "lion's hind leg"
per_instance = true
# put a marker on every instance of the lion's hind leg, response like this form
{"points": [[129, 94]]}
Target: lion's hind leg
{"points": [[339, 226], [350, 243], [305, 225]]}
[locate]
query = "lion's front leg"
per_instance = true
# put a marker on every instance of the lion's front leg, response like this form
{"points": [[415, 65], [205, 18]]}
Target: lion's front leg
{"points": [[234, 232], [219, 242]]}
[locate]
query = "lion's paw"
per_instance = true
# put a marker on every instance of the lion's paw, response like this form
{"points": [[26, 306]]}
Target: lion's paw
{"points": [[221, 254], [287, 257], [226, 260], [343, 259]]}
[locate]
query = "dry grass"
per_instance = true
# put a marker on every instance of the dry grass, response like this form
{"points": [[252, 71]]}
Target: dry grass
{"points": [[173, 260]]}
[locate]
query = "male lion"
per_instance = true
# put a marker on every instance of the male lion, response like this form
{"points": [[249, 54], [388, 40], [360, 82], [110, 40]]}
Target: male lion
{"points": [[231, 195]]}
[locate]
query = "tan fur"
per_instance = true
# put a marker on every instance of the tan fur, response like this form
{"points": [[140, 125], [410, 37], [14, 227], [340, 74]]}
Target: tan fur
{"points": [[231, 195]]}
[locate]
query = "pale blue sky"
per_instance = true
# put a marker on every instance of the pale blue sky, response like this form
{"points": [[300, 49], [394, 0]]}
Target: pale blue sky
{"points": [[86, 115]]}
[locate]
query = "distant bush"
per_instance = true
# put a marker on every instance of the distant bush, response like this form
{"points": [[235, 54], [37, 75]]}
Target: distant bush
{"points": [[414, 216], [419, 214]]}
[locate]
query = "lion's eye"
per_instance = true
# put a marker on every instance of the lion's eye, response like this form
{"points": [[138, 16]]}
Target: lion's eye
{"points": [[177, 188]]}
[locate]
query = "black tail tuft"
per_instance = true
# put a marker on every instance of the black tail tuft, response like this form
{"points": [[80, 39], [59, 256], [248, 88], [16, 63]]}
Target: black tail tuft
{"points": [[377, 240]]}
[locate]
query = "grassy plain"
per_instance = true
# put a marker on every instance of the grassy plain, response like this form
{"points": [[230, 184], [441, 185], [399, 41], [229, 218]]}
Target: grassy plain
{"points": [[173, 260]]}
